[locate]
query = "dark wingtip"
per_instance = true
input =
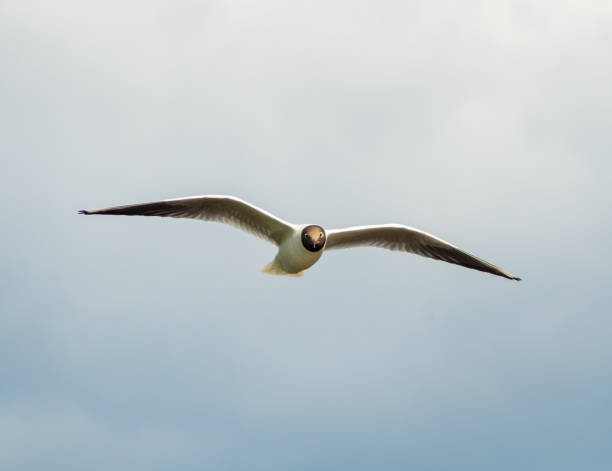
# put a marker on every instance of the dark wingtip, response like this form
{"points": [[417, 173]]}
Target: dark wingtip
{"points": [[84, 211], [517, 278]]}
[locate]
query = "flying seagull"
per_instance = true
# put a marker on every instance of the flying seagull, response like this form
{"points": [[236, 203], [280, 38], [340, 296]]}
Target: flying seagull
{"points": [[301, 245]]}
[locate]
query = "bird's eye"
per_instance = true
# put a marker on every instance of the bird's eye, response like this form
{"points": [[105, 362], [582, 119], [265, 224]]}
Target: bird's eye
{"points": [[320, 234]]}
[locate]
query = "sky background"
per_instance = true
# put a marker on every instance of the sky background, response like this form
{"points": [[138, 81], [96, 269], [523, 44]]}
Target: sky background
{"points": [[146, 343]]}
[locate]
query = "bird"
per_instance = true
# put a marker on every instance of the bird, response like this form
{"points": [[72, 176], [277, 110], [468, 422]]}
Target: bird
{"points": [[300, 246]]}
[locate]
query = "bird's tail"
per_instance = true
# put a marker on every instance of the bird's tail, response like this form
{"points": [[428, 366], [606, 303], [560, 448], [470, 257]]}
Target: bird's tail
{"points": [[275, 268]]}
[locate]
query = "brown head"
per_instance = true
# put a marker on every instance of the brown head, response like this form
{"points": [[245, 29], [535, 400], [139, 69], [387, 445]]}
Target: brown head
{"points": [[313, 238]]}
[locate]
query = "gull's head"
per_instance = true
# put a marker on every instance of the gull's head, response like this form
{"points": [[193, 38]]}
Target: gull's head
{"points": [[313, 238]]}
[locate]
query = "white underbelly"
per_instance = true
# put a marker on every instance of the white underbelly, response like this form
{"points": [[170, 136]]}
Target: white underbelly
{"points": [[294, 258]]}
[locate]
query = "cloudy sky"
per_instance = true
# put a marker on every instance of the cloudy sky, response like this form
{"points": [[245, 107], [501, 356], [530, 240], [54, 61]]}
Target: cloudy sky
{"points": [[144, 343]]}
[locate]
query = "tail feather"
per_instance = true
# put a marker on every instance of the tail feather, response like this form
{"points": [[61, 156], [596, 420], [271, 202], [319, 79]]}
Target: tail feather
{"points": [[275, 268]]}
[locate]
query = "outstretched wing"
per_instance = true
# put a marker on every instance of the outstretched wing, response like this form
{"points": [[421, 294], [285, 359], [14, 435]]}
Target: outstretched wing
{"points": [[407, 239], [219, 208]]}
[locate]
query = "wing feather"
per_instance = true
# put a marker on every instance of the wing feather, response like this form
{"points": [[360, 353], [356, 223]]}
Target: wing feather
{"points": [[408, 239], [219, 208]]}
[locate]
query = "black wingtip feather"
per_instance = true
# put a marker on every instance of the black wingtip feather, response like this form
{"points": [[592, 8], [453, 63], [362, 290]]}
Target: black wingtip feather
{"points": [[83, 211]]}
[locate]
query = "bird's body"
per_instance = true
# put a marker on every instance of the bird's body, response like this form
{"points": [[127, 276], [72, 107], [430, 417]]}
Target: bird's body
{"points": [[293, 258], [301, 245]]}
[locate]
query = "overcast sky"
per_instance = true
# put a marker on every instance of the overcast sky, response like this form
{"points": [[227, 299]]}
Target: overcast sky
{"points": [[146, 343]]}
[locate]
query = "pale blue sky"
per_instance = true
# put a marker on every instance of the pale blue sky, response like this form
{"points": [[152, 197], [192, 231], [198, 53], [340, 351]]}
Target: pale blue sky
{"points": [[144, 343]]}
